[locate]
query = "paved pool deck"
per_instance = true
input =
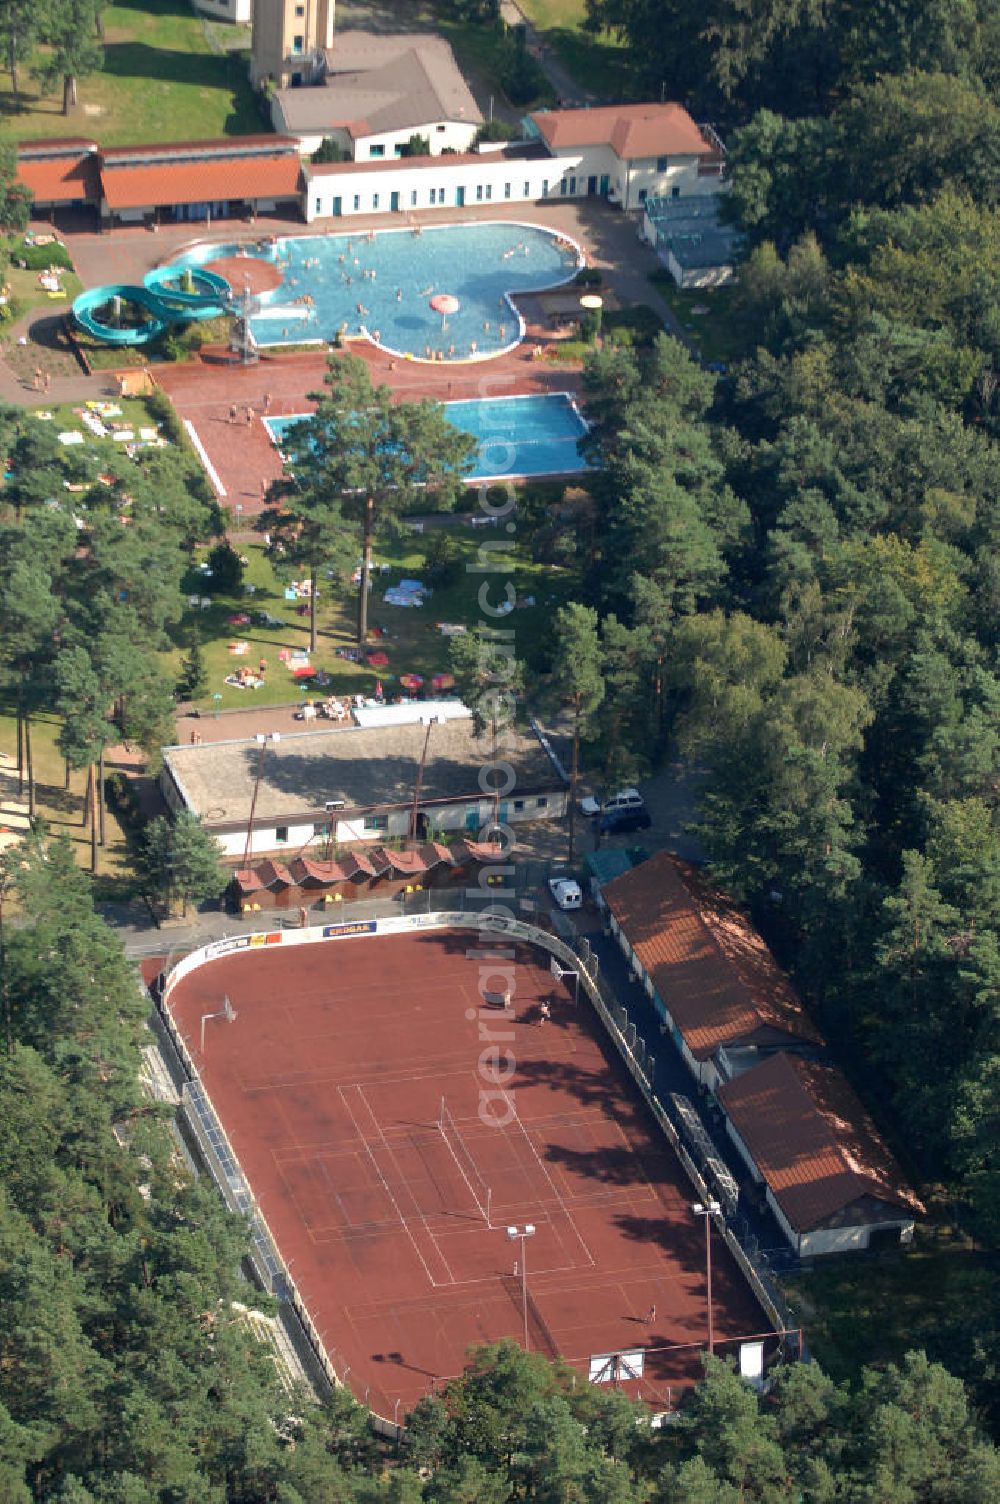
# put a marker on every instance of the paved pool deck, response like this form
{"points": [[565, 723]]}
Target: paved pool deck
{"points": [[205, 390]]}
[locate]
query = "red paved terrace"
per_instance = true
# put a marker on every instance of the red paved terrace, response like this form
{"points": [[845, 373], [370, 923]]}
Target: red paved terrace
{"points": [[205, 391], [329, 1085]]}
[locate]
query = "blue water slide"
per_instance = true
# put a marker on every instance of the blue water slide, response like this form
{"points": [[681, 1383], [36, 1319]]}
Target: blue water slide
{"points": [[164, 299]]}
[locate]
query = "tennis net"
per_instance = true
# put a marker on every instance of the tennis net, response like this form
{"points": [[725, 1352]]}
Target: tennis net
{"points": [[478, 1189]]}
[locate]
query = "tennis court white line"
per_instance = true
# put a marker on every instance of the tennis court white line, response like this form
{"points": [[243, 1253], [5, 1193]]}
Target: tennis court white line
{"points": [[560, 1199], [438, 1284], [484, 1212], [388, 1190]]}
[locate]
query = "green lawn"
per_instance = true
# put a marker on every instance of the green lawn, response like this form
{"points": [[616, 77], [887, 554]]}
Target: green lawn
{"points": [[25, 290], [412, 641], [710, 332], [62, 807], [600, 64], [873, 1311], [162, 81]]}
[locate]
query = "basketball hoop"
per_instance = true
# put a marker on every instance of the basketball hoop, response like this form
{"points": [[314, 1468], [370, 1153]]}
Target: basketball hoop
{"points": [[227, 1011]]}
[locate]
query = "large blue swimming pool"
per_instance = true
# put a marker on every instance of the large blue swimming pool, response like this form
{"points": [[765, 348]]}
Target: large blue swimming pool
{"points": [[518, 437], [381, 283]]}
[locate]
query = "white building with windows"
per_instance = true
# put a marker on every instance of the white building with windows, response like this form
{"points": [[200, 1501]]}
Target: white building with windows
{"points": [[363, 784], [376, 92], [545, 166]]}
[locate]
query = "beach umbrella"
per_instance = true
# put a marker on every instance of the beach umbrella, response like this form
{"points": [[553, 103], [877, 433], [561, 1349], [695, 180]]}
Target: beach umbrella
{"points": [[443, 681], [445, 303], [411, 681], [378, 659]]}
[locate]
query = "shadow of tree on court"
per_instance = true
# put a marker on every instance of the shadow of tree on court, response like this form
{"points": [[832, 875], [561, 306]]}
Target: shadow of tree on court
{"points": [[610, 1165]]}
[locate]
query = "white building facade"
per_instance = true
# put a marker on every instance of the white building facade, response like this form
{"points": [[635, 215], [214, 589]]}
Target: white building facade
{"points": [[239, 12]]}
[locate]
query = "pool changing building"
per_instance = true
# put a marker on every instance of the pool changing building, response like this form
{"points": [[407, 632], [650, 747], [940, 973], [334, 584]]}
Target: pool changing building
{"points": [[625, 155], [363, 784]]}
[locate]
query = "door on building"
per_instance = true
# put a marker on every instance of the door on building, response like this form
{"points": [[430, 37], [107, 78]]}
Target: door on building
{"points": [[605, 183], [472, 817], [572, 185], [503, 811], [460, 198], [338, 207], [592, 184], [421, 826], [394, 201]]}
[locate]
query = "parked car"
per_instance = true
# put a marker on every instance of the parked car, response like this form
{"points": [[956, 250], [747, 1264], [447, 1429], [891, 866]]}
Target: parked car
{"points": [[566, 892], [624, 799], [623, 820]]}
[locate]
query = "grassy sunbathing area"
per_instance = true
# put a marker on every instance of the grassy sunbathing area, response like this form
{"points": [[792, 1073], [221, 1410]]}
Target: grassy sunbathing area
{"points": [[259, 621]]}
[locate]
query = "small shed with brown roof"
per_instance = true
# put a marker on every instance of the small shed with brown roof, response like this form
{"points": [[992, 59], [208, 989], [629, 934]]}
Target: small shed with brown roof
{"points": [[705, 967], [830, 1178]]}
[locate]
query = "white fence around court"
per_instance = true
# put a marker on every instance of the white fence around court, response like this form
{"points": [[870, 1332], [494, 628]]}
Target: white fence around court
{"points": [[269, 1267]]}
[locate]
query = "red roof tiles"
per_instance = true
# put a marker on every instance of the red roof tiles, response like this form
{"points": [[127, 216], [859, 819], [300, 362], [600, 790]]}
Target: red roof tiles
{"points": [[140, 184], [69, 177], [712, 970], [812, 1140], [633, 130]]}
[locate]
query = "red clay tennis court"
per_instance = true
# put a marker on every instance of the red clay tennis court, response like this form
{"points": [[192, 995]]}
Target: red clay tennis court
{"points": [[351, 1090]]}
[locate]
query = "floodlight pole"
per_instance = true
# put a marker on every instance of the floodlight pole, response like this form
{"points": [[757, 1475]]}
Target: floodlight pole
{"points": [[521, 1235], [262, 741], [708, 1210]]}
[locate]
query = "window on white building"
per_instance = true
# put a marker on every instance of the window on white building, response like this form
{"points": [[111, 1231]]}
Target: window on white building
{"points": [[357, 202], [376, 151], [281, 834], [489, 190], [661, 164], [374, 200], [413, 198], [506, 190], [376, 822], [545, 187], [527, 190], [479, 192], [296, 44]]}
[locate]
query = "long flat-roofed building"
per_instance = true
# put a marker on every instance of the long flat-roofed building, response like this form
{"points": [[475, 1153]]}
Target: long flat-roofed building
{"points": [[360, 784]]}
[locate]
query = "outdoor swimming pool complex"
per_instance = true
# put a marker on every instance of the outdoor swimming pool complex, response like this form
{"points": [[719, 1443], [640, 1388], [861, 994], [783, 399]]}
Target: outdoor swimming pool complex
{"points": [[518, 437], [381, 282]]}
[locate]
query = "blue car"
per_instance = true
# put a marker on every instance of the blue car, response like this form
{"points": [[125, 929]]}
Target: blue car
{"points": [[624, 820]]}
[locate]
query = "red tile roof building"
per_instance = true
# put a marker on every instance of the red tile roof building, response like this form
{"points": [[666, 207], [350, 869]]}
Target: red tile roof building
{"points": [[831, 1181], [132, 182], [714, 978], [830, 1176], [632, 130]]}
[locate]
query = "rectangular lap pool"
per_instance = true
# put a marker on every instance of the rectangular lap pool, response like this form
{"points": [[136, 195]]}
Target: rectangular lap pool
{"points": [[518, 438]]}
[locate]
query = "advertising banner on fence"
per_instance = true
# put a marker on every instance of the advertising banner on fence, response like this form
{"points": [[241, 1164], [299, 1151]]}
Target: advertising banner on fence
{"points": [[341, 931]]}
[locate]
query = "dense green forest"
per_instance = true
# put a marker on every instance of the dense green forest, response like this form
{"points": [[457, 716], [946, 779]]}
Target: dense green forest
{"points": [[795, 566]]}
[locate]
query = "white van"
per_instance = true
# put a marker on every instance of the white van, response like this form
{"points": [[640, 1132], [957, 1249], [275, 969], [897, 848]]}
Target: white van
{"points": [[623, 800]]}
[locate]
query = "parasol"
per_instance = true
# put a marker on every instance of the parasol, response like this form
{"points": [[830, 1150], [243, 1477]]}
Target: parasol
{"points": [[443, 681], [378, 659], [411, 681], [444, 303]]}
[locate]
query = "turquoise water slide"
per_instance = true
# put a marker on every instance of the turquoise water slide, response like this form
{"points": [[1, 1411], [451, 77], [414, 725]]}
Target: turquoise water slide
{"points": [[163, 299]]}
